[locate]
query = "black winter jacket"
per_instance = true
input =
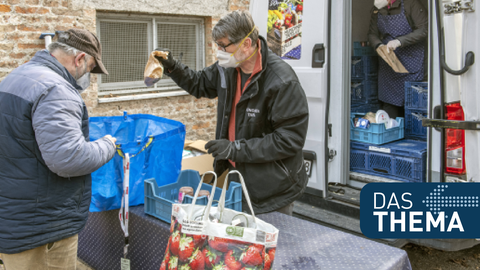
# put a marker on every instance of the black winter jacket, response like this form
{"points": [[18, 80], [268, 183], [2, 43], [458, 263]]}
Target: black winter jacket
{"points": [[271, 125]]}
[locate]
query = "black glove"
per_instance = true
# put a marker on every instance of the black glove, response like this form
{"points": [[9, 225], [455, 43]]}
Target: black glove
{"points": [[220, 149], [169, 63]]}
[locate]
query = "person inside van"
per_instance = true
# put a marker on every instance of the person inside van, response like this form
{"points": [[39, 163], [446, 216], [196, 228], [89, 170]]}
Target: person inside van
{"points": [[402, 26]]}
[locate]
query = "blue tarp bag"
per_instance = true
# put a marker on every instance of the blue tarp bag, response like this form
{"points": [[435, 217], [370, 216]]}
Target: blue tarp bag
{"points": [[155, 147]]}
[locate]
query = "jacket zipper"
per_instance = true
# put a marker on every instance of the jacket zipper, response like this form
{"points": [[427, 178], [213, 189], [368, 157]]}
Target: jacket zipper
{"points": [[301, 167], [222, 73], [224, 113], [276, 163], [256, 83], [282, 168]]}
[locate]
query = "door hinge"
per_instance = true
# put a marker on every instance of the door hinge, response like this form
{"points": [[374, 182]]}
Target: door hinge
{"points": [[331, 154], [329, 130], [459, 6]]}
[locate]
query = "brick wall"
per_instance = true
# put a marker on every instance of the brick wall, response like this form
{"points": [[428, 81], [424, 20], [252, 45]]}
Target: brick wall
{"points": [[22, 22]]}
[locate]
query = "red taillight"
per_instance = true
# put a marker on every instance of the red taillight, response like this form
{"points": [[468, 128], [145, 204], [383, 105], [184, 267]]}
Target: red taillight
{"points": [[454, 141]]}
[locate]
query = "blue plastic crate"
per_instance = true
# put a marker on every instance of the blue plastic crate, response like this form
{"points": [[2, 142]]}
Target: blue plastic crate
{"points": [[376, 133], [362, 48], [403, 160], [159, 200], [364, 91], [413, 124], [364, 67], [364, 108], [416, 95]]}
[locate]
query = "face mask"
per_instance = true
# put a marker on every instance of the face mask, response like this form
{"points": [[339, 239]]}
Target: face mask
{"points": [[84, 80], [381, 3], [228, 60]]}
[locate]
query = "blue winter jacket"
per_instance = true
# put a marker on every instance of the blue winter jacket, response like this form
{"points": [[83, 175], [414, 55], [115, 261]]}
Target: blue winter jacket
{"points": [[45, 156]]}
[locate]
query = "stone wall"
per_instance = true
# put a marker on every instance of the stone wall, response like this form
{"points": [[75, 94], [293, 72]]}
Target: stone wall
{"points": [[22, 22]]}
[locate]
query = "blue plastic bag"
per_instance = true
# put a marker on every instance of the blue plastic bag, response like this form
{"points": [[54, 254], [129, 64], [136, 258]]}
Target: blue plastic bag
{"points": [[155, 146]]}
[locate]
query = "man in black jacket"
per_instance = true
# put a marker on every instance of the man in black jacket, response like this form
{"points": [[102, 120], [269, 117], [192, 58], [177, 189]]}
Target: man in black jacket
{"points": [[262, 113]]}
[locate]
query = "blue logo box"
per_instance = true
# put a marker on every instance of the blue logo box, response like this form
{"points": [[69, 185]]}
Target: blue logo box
{"points": [[420, 210]]}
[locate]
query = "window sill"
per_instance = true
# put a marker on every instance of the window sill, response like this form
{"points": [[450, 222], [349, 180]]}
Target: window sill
{"points": [[142, 96]]}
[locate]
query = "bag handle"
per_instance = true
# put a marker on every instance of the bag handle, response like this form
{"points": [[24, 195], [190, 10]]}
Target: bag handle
{"points": [[419, 89], [354, 62], [418, 116], [210, 200], [148, 142], [221, 202]]}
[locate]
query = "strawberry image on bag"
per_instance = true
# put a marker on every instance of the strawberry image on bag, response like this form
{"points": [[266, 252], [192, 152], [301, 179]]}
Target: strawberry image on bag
{"points": [[206, 237]]}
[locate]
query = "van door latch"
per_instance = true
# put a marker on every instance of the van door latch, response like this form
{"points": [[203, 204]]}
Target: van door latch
{"points": [[452, 124], [318, 56], [459, 6]]}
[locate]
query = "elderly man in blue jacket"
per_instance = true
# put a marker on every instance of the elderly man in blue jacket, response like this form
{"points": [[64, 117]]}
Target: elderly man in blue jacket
{"points": [[45, 154]]}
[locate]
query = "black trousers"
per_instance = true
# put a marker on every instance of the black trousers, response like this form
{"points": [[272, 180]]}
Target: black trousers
{"points": [[392, 110]]}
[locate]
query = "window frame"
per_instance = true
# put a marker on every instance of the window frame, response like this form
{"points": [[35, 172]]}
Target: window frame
{"points": [[165, 85]]}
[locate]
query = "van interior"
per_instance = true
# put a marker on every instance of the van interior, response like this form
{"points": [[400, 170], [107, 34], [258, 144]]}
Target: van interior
{"points": [[361, 15]]}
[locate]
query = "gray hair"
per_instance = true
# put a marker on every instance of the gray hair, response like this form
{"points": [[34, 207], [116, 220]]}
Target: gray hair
{"points": [[69, 50], [236, 26], [64, 47]]}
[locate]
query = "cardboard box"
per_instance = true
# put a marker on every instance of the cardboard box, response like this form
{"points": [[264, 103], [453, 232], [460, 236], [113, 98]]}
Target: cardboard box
{"points": [[201, 163]]}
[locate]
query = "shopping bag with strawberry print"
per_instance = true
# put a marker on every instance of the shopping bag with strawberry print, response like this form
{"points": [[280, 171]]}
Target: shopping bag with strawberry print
{"points": [[206, 237]]}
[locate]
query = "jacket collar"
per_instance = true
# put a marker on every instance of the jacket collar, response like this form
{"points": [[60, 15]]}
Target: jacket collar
{"points": [[46, 59], [264, 54]]}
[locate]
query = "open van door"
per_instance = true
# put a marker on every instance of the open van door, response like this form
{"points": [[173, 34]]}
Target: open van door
{"points": [[455, 94], [303, 45]]}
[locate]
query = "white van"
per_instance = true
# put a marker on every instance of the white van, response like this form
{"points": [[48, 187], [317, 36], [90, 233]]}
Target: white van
{"points": [[323, 64]]}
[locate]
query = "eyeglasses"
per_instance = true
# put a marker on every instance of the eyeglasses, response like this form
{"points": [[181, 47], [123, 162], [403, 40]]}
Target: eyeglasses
{"points": [[224, 48]]}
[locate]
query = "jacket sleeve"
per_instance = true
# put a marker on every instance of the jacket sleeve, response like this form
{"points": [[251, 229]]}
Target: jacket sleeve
{"points": [[197, 83], [373, 33], [289, 116], [57, 123], [418, 15]]}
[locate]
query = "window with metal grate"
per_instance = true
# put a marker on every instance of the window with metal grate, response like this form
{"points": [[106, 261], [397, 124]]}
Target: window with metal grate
{"points": [[127, 43]]}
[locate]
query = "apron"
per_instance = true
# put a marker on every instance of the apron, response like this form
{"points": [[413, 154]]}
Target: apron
{"points": [[391, 85]]}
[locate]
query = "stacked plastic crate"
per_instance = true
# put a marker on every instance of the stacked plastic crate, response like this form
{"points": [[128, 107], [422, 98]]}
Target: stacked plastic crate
{"points": [[364, 88], [403, 160], [377, 150], [416, 101]]}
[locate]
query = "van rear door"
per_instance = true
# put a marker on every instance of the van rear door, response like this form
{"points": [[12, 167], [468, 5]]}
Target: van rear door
{"points": [[455, 111], [303, 45]]}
